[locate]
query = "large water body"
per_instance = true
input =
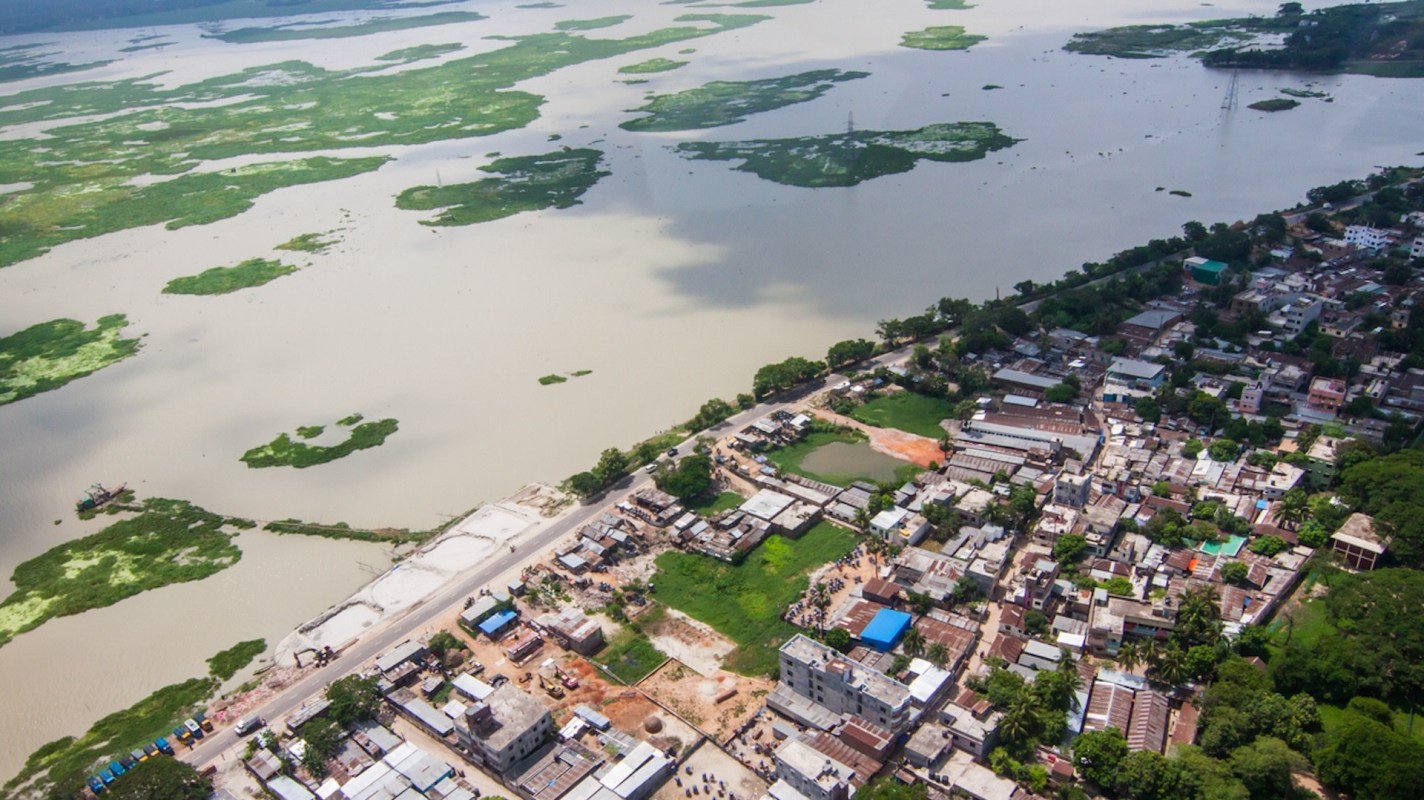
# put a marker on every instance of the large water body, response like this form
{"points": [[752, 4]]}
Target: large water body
{"points": [[673, 282]]}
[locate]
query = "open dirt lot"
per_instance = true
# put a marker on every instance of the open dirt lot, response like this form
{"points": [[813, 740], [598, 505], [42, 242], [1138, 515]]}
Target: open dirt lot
{"points": [[694, 697], [725, 778], [693, 643]]}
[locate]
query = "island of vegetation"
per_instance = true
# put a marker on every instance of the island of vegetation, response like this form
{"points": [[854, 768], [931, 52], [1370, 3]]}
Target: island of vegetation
{"points": [[309, 243], [1303, 93], [1274, 104], [420, 52], [19, 62], [846, 159], [729, 102], [81, 184], [48, 355], [555, 378], [283, 451], [941, 37], [79, 15], [523, 183], [166, 541], [1384, 39], [295, 31], [949, 5], [223, 280], [652, 65], [592, 24]]}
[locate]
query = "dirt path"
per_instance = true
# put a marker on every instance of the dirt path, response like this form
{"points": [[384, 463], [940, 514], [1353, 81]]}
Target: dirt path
{"points": [[919, 450]]}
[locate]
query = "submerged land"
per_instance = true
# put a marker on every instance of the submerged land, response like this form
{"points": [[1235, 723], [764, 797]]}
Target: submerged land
{"points": [[728, 102], [848, 159], [81, 177], [521, 183], [1384, 39]]}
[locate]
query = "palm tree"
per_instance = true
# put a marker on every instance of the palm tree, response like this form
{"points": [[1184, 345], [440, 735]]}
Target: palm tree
{"points": [[1021, 717], [1149, 652], [1171, 668], [937, 653], [914, 642], [1129, 656], [1295, 504], [1199, 615]]}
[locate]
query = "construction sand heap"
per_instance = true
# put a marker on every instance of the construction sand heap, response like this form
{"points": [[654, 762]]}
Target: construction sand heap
{"points": [[466, 545]]}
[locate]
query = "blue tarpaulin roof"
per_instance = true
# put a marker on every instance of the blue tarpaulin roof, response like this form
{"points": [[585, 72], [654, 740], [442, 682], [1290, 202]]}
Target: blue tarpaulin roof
{"points": [[492, 625], [885, 629]]}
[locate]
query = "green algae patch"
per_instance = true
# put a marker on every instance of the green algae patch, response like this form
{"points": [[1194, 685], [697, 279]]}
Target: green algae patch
{"points": [[521, 183], [222, 280], [848, 159], [550, 380], [283, 451], [166, 542], [311, 431], [226, 663], [652, 65], [948, 5], [64, 762], [729, 102], [284, 33], [314, 243], [592, 24], [770, 3], [46, 356], [20, 61], [134, 158], [941, 37], [420, 52], [1304, 93], [1274, 104], [64, 205]]}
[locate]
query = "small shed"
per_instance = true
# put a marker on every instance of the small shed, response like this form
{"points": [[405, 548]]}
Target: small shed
{"points": [[1205, 270], [497, 623], [885, 629]]}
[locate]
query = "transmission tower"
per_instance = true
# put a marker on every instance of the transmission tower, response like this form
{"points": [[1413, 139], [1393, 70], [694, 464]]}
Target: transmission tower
{"points": [[1229, 101]]}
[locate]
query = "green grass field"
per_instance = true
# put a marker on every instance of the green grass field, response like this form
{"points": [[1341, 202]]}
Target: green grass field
{"points": [[745, 601], [629, 654], [1330, 716], [793, 458], [712, 506], [907, 411]]}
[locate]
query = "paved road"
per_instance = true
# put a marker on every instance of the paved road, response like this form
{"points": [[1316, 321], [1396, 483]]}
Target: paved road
{"points": [[530, 545]]}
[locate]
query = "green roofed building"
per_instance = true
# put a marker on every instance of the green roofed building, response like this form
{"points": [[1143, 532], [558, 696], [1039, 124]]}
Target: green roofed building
{"points": [[1206, 271]]}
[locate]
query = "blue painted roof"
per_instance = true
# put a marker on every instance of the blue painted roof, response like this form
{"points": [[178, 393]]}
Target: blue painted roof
{"points": [[496, 621], [885, 629]]}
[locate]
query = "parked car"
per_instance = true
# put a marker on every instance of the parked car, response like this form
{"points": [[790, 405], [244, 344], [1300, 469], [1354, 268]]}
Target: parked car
{"points": [[117, 768], [95, 785], [163, 746], [193, 727], [151, 749]]}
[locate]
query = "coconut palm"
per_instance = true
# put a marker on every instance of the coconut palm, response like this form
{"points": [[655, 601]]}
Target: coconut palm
{"points": [[937, 654], [1129, 656], [1171, 667], [914, 642], [1295, 505]]}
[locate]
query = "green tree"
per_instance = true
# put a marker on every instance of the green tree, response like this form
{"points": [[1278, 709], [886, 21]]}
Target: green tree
{"points": [[444, 642], [937, 653], [1147, 408], [1265, 766], [353, 699], [1097, 755], [585, 484], [1191, 448], [612, 465], [1129, 656], [1060, 393], [691, 477], [745, 401], [1146, 775], [1171, 667], [840, 639], [162, 779], [1069, 548], [887, 788], [713, 412], [1223, 450], [323, 737], [1235, 572], [849, 352]]}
